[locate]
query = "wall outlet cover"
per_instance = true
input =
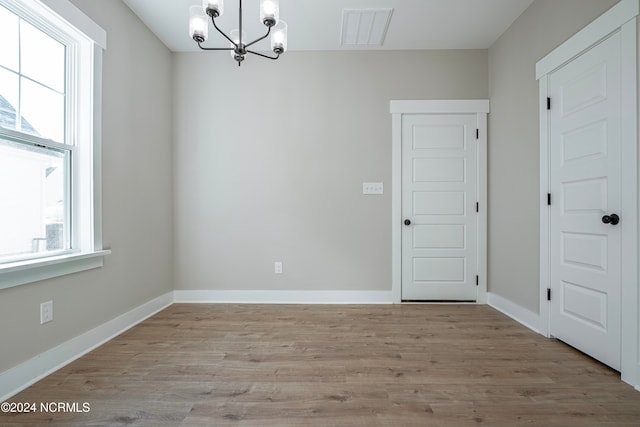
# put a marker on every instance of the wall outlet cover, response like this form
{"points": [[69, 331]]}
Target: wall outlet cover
{"points": [[46, 312]]}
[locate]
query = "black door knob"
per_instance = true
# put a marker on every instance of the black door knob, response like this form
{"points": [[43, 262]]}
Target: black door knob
{"points": [[407, 222], [612, 219]]}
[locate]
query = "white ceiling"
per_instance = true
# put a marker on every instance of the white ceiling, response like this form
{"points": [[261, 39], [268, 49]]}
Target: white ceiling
{"points": [[316, 24]]}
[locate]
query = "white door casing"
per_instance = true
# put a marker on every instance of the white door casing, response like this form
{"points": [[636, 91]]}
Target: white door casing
{"points": [[619, 19], [439, 196], [584, 178], [477, 109]]}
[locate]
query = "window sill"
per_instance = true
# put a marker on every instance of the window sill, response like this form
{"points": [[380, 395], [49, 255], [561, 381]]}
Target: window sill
{"points": [[23, 272]]}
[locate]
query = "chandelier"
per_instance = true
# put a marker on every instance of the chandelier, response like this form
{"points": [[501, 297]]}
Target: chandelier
{"points": [[238, 47]]}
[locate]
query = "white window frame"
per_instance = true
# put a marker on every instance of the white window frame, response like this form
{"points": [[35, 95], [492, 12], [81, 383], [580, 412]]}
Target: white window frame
{"points": [[85, 43]]}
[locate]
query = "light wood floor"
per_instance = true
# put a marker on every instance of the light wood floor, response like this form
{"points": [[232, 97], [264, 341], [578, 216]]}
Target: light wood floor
{"points": [[432, 365]]}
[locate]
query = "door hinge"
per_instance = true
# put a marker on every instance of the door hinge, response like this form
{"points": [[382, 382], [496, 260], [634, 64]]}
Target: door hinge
{"points": [[548, 294], [548, 103], [548, 199], [477, 206], [477, 133], [477, 280]]}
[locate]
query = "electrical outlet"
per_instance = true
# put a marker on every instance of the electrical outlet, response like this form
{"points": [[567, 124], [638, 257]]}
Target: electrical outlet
{"points": [[46, 312], [277, 267]]}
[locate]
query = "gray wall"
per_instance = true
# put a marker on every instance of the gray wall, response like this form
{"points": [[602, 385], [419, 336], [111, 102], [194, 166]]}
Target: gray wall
{"points": [[514, 145], [269, 161], [137, 200]]}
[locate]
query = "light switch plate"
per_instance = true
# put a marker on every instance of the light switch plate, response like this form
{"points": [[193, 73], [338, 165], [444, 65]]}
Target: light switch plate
{"points": [[372, 188]]}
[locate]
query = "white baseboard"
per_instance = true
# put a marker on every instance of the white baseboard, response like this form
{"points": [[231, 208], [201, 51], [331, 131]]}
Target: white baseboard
{"points": [[284, 297], [27, 373], [519, 314]]}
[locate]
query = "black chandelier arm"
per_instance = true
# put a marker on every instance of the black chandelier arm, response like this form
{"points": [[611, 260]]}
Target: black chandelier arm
{"points": [[265, 56], [222, 32], [261, 38], [214, 48]]}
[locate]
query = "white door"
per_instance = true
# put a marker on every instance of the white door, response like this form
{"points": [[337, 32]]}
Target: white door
{"points": [[439, 196], [585, 165]]}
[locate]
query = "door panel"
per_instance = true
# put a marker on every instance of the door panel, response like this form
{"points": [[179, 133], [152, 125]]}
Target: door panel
{"points": [[587, 251], [436, 137], [438, 170], [439, 236], [585, 305], [438, 203], [585, 163], [439, 192], [585, 196], [438, 269]]}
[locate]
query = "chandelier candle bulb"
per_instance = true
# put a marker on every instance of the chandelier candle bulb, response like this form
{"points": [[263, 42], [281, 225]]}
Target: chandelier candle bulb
{"points": [[279, 38], [198, 24], [269, 12], [214, 8]]}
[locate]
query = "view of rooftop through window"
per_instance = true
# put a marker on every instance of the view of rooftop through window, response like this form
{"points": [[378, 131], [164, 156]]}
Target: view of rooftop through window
{"points": [[33, 176]]}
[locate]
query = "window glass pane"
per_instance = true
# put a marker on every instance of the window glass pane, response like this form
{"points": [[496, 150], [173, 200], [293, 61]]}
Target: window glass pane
{"points": [[42, 111], [42, 58], [32, 200], [10, 42], [8, 99]]}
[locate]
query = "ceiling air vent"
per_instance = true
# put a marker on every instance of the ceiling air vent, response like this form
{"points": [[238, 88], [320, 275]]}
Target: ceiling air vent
{"points": [[365, 27]]}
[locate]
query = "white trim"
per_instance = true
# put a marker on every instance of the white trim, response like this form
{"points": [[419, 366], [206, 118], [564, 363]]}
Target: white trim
{"points": [[398, 108], [27, 373], [396, 208], [70, 13], [481, 296], [519, 314], [283, 297], [97, 149], [19, 273], [545, 188], [607, 23], [439, 106], [630, 327], [619, 17]]}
